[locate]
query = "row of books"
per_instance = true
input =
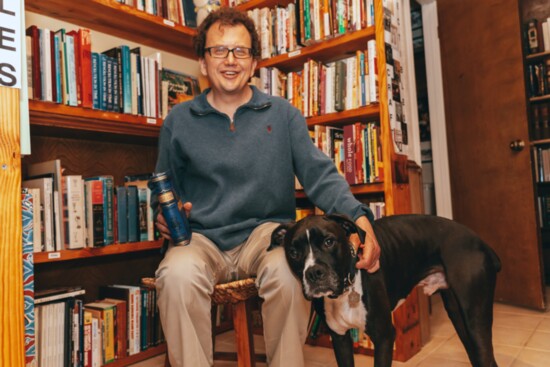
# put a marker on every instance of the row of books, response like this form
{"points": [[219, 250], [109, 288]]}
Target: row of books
{"points": [[63, 69], [540, 113], [355, 150], [537, 33], [377, 208], [321, 88], [286, 29], [174, 11], [72, 212], [69, 332], [539, 78]]}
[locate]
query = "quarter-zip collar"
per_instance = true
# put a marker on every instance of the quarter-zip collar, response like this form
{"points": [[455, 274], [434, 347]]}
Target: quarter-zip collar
{"points": [[201, 107]]}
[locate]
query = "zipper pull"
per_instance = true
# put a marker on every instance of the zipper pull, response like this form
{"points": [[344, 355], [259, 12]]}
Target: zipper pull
{"points": [[231, 125]]}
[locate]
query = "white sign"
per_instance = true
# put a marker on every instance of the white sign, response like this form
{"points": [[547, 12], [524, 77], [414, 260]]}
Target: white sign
{"points": [[10, 43]]}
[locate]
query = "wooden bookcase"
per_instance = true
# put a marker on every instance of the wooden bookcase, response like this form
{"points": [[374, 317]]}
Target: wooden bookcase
{"points": [[538, 104], [394, 189], [92, 142]]}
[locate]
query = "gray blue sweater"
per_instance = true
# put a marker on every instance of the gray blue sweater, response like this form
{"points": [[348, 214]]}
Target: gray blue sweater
{"points": [[239, 179]]}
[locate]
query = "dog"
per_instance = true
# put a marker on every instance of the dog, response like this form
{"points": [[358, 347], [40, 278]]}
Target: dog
{"points": [[438, 253]]}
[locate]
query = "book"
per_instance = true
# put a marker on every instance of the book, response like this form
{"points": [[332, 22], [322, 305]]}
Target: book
{"points": [[181, 88], [133, 213], [121, 326], [51, 167], [122, 214], [56, 294], [73, 211], [106, 312], [93, 192], [108, 208], [45, 185], [28, 277]]}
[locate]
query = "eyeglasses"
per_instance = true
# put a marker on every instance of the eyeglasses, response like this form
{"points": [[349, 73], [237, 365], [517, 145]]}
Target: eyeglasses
{"points": [[221, 52]]}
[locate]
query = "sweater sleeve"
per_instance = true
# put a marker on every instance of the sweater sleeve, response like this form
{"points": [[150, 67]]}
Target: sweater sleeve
{"points": [[322, 183]]}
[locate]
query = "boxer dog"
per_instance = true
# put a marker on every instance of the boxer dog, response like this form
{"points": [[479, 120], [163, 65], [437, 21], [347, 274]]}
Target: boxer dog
{"points": [[434, 252]]}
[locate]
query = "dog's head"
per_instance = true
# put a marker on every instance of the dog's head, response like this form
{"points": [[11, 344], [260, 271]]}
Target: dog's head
{"points": [[319, 253]]}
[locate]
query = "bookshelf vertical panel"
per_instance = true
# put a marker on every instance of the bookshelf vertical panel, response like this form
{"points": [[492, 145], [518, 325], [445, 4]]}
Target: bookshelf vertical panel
{"points": [[11, 260]]}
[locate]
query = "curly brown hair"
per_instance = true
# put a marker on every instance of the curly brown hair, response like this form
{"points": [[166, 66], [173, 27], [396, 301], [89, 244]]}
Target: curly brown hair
{"points": [[226, 17]]}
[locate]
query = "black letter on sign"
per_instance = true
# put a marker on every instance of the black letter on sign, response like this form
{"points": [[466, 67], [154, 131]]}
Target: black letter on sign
{"points": [[2, 10], [5, 37], [3, 73]]}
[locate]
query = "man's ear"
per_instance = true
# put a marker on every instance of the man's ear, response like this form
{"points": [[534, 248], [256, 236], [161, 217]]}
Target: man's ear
{"points": [[279, 234], [349, 225]]}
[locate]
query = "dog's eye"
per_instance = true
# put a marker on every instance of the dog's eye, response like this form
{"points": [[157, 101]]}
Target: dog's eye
{"points": [[329, 242], [293, 253]]}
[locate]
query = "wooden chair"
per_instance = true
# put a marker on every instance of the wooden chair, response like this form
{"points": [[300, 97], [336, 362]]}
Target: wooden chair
{"points": [[238, 294]]}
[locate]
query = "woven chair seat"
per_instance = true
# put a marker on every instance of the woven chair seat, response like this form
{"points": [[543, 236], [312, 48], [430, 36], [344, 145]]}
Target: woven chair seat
{"points": [[235, 291]]}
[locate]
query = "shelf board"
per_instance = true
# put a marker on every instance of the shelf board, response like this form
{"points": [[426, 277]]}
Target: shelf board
{"points": [[115, 19], [263, 4], [360, 114], [51, 118], [365, 189], [538, 55], [115, 249], [546, 97], [540, 142], [146, 354], [323, 50]]}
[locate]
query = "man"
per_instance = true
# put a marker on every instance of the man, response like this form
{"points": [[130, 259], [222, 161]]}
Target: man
{"points": [[233, 153]]}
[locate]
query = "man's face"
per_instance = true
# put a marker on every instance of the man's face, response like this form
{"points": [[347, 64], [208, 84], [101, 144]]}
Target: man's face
{"points": [[228, 75]]}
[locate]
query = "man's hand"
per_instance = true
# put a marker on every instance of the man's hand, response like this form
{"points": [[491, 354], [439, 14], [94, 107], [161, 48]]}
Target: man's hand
{"points": [[370, 254], [162, 226]]}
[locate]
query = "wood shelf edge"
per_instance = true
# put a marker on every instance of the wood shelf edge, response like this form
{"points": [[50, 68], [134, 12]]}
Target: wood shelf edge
{"points": [[345, 41], [146, 354], [54, 115], [363, 189], [88, 252], [122, 21], [371, 111]]}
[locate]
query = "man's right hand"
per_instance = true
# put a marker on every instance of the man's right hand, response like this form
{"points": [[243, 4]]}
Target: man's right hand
{"points": [[162, 226]]}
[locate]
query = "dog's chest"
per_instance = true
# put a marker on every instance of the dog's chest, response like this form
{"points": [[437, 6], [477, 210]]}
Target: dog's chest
{"points": [[340, 314]]}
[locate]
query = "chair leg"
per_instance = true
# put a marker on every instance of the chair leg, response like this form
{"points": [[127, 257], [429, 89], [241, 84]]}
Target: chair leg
{"points": [[243, 334]]}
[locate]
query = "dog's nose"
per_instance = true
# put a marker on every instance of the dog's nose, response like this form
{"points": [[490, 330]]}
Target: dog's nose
{"points": [[315, 274]]}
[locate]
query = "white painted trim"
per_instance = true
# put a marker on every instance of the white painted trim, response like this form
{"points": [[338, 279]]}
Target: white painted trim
{"points": [[436, 102], [410, 109]]}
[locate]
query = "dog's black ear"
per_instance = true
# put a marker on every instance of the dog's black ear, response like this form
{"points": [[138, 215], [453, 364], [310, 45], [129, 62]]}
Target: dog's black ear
{"points": [[349, 225], [278, 235]]}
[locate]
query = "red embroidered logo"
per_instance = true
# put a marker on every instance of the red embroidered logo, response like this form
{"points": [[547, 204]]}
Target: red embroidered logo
{"points": [[268, 128]]}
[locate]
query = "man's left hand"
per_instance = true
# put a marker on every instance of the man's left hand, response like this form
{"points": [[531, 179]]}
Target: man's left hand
{"points": [[368, 252]]}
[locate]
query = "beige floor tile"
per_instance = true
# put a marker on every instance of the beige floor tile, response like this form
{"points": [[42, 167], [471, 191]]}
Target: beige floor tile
{"points": [[452, 349], [532, 358], [436, 361], [506, 354], [544, 324], [514, 320], [540, 340], [511, 336]]}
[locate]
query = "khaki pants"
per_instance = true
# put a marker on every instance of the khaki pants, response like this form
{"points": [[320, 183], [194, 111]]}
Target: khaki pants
{"points": [[186, 278]]}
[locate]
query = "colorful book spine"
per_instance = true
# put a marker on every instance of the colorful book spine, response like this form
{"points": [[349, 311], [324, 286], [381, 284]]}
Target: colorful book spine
{"points": [[28, 278]]}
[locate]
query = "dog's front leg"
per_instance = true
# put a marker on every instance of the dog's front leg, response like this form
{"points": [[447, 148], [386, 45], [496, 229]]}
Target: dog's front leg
{"points": [[343, 348], [341, 344]]}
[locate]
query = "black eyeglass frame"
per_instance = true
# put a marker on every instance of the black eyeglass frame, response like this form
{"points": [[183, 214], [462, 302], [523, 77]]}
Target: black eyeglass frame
{"points": [[228, 50]]}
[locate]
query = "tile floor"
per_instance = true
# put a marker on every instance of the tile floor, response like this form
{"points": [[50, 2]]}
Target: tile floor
{"points": [[521, 338]]}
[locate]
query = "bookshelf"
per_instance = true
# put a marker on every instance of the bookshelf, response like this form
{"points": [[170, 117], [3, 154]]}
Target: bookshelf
{"points": [[87, 140], [394, 187], [537, 80]]}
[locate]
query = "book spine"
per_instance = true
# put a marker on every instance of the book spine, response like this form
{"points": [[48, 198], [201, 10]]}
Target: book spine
{"points": [[28, 278], [85, 48]]}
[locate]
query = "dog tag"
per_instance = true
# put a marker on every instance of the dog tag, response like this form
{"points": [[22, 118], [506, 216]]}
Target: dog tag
{"points": [[353, 298]]}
